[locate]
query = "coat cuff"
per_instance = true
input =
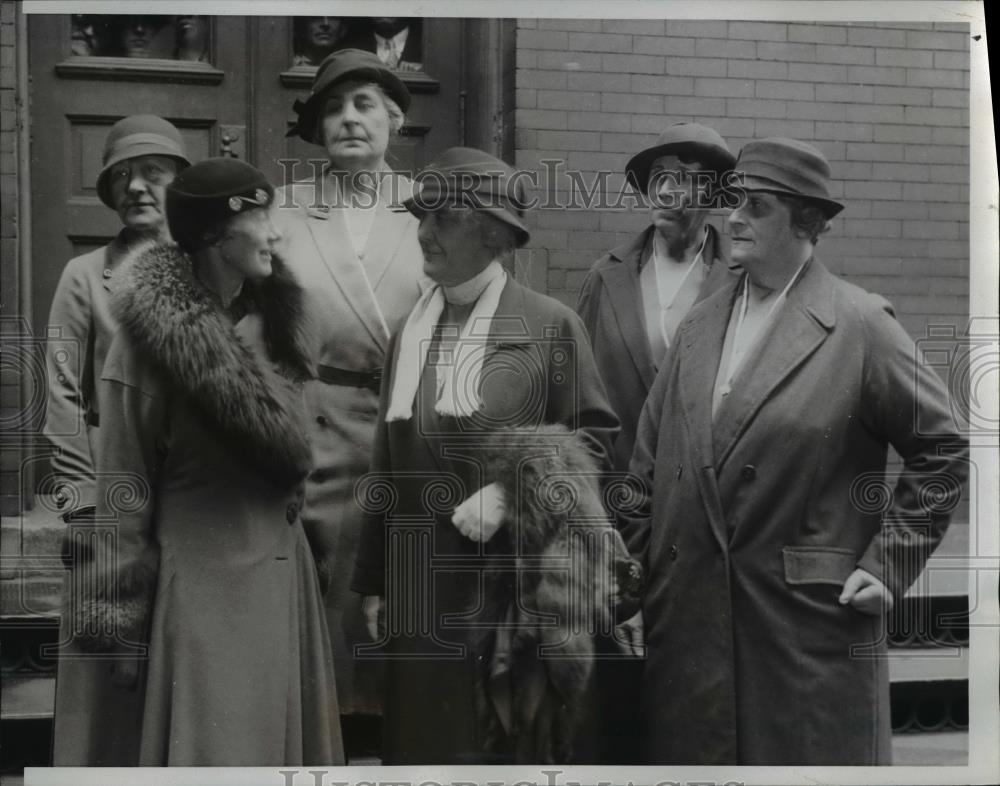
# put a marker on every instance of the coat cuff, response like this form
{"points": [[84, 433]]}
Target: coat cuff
{"points": [[368, 580]]}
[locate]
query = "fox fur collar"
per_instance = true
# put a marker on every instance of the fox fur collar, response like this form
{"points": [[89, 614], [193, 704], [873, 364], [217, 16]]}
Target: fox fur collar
{"points": [[252, 403]]}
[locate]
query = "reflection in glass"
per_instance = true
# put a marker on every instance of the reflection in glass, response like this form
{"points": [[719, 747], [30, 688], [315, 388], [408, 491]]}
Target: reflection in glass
{"points": [[85, 39], [183, 37], [191, 36], [398, 41], [316, 37]]}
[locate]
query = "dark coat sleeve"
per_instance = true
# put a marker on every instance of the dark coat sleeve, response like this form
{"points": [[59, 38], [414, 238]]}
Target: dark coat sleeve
{"points": [[907, 404], [635, 520], [69, 367], [373, 492]]}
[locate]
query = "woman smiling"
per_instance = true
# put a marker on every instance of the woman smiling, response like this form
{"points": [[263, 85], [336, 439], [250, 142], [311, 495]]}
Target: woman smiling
{"points": [[197, 584]]}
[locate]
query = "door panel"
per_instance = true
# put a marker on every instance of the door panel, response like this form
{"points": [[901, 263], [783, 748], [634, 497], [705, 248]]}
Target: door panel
{"points": [[75, 101]]}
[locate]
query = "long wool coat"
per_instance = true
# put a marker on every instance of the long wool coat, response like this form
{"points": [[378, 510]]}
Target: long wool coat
{"points": [[202, 456], [443, 598], [610, 305], [755, 519], [81, 327], [353, 304]]}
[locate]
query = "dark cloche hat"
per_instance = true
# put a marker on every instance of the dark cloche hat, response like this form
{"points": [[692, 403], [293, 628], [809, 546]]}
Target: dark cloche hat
{"points": [[138, 135], [476, 179], [702, 143], [787, 166], [205, 195], [338, 67]]}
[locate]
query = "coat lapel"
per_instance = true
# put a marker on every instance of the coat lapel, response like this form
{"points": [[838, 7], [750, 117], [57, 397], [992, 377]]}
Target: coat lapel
{"points": [[622, 282], [346, 270], [700, 345], [801, 325], [387, 232], [383, 242]]}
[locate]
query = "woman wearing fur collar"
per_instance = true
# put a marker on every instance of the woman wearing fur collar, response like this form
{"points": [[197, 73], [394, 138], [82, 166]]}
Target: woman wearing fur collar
{"points": [[211, 620]]}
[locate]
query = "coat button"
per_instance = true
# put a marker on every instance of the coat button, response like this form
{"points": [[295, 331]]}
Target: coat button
{"points": [[749, 472], [321, 420], [106, 273], [292, 512], [673, 552]]}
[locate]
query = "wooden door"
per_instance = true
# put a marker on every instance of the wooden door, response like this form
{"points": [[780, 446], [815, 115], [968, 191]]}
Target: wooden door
{"points": [[76, 98]]}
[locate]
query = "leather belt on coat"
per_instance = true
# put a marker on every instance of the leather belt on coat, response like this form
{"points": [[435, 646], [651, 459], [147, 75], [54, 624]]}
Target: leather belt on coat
{"points": [[355, 379]]}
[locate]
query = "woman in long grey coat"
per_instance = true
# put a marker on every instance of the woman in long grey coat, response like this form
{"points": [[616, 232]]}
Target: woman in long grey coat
{"points": [[196, 584], [361, 267]]}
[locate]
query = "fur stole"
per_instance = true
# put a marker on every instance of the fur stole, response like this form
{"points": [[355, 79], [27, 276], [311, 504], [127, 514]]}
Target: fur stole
{"points": [[566, 552], [252, 404]]}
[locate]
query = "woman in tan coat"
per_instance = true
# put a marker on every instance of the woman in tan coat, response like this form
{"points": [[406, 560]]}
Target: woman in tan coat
{"points": [[142, 155], [361, 267], [195, 585]]}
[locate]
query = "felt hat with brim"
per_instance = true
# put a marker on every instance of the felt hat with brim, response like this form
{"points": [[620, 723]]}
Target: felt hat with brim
{"points": [[700, 143], [341, 66], [469, 177], [138, 135], [204, 196], [787, 166]]}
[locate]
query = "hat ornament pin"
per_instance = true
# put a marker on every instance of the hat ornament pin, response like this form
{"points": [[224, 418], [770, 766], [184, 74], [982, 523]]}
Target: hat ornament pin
{"points": [[260, 199]]}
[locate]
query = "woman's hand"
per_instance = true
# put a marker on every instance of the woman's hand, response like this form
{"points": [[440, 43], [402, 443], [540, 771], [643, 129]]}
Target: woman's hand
{"points": [[125, 672], [373, 607], [866, 593], [480, 516]]}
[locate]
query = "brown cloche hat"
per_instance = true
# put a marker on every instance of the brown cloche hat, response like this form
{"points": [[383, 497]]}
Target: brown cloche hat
{"points": [[467, 176], [704, 144], [338, 67], [787, 166]]}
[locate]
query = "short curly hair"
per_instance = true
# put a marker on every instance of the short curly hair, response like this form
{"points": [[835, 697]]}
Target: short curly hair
{"points": [[808, 218]]}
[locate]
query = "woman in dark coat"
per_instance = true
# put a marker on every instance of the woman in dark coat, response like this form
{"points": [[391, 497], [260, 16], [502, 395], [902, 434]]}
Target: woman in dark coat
{"points": [[763, 447], [493, 430], [209, 612]]}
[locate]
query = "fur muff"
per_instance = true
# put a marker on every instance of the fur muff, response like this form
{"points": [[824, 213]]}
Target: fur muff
{"points": [[566, 553], [111, 598], [178, 324]]}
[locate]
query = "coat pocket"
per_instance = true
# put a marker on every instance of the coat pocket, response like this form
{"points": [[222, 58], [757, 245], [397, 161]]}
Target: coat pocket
{"points": [[818, 564], [815, 576]]}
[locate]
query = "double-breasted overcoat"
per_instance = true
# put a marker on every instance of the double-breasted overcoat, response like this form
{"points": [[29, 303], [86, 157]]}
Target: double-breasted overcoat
{"points": [[354, 302], [756, 517]]}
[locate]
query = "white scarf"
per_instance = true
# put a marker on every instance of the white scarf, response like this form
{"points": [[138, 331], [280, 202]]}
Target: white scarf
{"points": [[459, 393]]}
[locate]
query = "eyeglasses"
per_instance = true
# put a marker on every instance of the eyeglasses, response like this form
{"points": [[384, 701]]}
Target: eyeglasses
{"points": [[150, 171]]}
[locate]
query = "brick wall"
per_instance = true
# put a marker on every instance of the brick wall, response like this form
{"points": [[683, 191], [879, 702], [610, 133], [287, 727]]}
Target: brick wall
{"points": [[9, 375], [886, 102]]}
